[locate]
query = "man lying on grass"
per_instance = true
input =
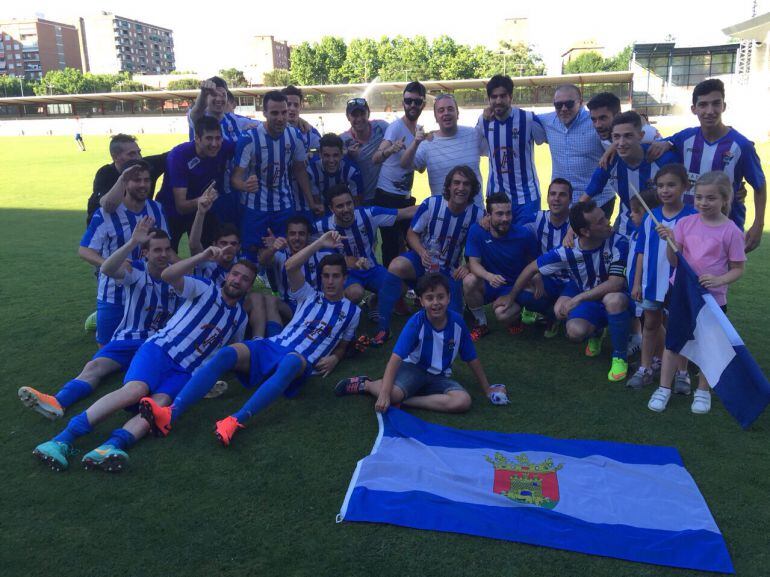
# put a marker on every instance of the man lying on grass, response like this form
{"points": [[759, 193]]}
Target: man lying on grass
{"points": [[419, 371]]}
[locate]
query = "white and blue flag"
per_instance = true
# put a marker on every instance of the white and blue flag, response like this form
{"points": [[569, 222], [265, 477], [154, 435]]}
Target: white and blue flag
{"points": [[699, 330], [619, 500]]}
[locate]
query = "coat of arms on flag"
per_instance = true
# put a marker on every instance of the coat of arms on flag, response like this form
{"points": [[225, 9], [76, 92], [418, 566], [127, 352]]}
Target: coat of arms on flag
{"points": [[619, 500]]}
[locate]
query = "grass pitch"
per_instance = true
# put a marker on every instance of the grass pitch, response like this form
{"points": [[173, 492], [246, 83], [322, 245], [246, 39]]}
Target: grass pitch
{"points": [[266, 505]]}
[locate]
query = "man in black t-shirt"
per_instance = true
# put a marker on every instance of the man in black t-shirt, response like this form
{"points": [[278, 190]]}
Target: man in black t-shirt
{"points": [[123, 147]]}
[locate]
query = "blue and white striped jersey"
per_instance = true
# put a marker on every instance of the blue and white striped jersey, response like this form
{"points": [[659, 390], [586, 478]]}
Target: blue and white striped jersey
{"points": [[656, 270], [361, 237], [734, 154], [279, 280], [548, 236], [212, 271], [149, 304], [318, 325], [233, 126], [587, 268], [439, 226], [201, 326], [511, 146], [271, 159], [435, 350], [109, 231], [321, 181], [622, 178]]}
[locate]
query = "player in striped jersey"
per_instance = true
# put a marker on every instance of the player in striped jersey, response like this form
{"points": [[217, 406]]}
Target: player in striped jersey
{"points": [[419, 371], [313, 342], [436, 239], [106, 233], [332, 167], [596, 295], [511, 134], [148, 305], [715, 146], [209, 318], [358, 227], [629, 169], [214, 100], [268, 154], [496, 258], [310, 138]]}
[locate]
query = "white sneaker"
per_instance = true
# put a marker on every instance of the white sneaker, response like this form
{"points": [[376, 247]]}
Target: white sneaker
{"points": [[659, 400], [634, 344], [701, 402]]}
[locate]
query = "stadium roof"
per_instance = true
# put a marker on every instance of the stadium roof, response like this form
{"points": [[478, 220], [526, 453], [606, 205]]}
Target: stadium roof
{"points": [[756, 28], [330, 89]]}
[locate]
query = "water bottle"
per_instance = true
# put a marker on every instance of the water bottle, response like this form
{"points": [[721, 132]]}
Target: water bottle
{"points": [[435, 255]]}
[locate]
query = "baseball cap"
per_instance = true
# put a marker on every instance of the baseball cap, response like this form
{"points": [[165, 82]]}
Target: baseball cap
{"points": [[356, 104]]}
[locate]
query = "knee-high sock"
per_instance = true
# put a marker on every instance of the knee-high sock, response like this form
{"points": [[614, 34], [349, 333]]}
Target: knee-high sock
{"points": [[618, 325], [288, 369], [77, 427], [388, 295], [121, 439], [455, 295], [72, 392], [203, 379]]}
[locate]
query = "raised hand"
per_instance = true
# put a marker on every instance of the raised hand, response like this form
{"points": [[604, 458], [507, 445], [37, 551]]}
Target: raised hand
{"points": [[141, 233], [331, 239]]}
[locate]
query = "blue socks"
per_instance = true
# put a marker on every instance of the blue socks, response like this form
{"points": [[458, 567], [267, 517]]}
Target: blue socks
{"points": [[121, 439], [77, 427], [618, 325], [203, 379], [456, 295], [272, 328], [72, 392], [288, 370], [388, 295]]}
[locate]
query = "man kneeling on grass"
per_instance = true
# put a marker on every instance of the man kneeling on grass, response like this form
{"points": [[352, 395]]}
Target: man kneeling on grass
{"points": [[419, 370]]}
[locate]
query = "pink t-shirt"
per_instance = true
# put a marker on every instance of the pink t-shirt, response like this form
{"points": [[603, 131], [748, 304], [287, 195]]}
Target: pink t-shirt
{"points": [[708, 249]]}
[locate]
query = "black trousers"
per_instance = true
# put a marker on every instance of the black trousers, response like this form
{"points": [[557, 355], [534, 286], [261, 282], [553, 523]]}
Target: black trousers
{"points": [[394, 237]]}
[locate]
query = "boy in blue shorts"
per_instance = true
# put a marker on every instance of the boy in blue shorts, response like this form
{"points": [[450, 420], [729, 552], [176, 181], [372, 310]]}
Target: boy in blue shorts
{"points": [[312, 343], [419, 371], [149, 303], [209, 318]]}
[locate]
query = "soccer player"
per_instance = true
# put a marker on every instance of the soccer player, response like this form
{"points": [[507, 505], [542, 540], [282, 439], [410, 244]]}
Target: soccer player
{"points": [[394, 185], [496, 258], [108, 178], [209, 318], [451, 146], [362, 140], [213, 101], [436, 240], [106, 233], [511, 134], [333, 167], [358, 227], [629, 170], [419, 372], [313, 342], [265, 158], [715, 146], [192, 169], [148, 305], [597, 294]]}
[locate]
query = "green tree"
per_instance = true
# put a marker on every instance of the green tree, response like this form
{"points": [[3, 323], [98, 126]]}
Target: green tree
{"points": [[515, 60], [13, 85], [184, 84], [304, 64], [594, 62], [362, 61], [277, 77], [233, 77], [331, 52]]}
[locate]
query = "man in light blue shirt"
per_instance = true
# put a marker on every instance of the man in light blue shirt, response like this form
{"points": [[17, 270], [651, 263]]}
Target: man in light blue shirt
{"points": [[575, 146]]}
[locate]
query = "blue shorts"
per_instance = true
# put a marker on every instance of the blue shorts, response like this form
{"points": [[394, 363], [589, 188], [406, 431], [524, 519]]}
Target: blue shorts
{"points": [[738, 214], [524, 213], [419, 269], [371, 279], [108, 317], [592, 311], [455, 286], [413, 380], [265, 356], [153, 367], [491, 293], [553, 286], [648, 305], [254, 225], [119, 351]]}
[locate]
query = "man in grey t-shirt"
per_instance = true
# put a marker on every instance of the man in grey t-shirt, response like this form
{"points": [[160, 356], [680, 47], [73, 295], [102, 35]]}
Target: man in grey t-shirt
{"points": [[361, 143], [394, 187]]}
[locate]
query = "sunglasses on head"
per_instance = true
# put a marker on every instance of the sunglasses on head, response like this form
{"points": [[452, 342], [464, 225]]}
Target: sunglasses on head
{"points": [[413, 101], [357, 102], [564, 104]]}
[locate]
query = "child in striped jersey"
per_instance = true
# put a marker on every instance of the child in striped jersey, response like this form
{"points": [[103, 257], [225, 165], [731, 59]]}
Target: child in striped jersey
{"points": [[419, 370], [148, 305], [650, 271]]}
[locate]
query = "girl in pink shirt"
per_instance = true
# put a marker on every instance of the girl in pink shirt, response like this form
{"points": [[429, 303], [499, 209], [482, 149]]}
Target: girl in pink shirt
{"points": [[714, 247]]}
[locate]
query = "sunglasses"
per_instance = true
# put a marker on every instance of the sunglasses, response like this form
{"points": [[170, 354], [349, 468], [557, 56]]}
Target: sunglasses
{"points": [[357, 102], [565, 104], [413, 101]]}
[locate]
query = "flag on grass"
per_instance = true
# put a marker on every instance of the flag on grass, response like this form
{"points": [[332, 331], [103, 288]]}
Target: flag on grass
{"points": [[699, 330], [616, 500]]}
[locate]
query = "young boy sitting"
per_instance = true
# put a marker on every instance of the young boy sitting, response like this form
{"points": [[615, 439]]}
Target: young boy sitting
{"points": [[419, 371]]}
